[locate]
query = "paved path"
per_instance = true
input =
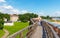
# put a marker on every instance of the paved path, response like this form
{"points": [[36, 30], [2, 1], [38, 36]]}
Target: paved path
{"points": [[38, 32], [6, 34]]}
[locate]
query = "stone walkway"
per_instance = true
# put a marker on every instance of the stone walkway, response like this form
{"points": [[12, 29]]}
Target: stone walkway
{"points": [[38, 32], [6, 34]]}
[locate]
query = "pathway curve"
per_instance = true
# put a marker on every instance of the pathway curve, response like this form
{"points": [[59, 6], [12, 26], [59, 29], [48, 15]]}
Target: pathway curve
{"points": [[6, 34], [38, 32]]}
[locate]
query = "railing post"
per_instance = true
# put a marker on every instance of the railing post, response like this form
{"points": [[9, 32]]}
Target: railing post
{"points": [[11, 37], [21, 35], [28, 34]]}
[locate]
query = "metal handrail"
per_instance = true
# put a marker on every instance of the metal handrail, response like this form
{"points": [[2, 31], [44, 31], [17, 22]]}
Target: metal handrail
{"points": [[54, 33], [18, 33], [49, 29]]}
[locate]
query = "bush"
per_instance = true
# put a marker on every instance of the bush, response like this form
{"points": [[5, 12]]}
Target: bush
{"points": [[27, 16], [1, 23], [24, 20]]}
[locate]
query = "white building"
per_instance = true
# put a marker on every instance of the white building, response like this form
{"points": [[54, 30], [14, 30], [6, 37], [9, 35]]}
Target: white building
{"points": [[9, 23], [14, 17]]}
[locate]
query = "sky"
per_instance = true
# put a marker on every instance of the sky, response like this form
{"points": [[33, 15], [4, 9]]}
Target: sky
{"points": [[40, 7]]}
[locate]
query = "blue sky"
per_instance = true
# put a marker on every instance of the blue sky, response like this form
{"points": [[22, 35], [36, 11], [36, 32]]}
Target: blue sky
{"points": [[40, 7]]}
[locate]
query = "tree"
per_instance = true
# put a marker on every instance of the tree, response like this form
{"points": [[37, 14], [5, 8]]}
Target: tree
{"points": [[7, 16], [48, 17], [27, 16], [1, 23], [45, 17], [2, 16]]}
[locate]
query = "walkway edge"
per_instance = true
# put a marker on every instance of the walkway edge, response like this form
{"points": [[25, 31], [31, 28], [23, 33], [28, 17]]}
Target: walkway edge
{"points": [[6, 33]]}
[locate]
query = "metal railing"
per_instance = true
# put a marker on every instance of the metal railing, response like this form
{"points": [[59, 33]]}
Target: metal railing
{"points": [[49, 30], [26, 32]]}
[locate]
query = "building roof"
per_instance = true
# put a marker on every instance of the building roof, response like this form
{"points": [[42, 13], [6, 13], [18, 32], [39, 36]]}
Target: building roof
{"points": [[13, 15], [8, 21]]}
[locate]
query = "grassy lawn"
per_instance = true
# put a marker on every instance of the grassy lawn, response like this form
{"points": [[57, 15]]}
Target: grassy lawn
{"points": [[1, 33], [54, 20], [16, 27], [24, 34], [51, 20]]}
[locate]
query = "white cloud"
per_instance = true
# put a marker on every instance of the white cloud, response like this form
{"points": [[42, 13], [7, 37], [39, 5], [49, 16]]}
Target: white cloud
{"points": [[24, 11], [56, 13], [7, 7], [2, 1], [41, 13], [11, 10]]}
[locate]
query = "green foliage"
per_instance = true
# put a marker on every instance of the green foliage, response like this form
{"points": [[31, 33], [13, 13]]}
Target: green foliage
{"points": [[16, 27], [7, 16], [45, 17], [27, 16], [1, 33], [48, 17], [2, 16], [1, 23]]}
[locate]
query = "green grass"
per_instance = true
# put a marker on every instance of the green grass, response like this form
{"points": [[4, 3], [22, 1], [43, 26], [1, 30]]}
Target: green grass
{"points": [[1, 33], [16, 27], [58, 20], [24, 34], [53, 20]]}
